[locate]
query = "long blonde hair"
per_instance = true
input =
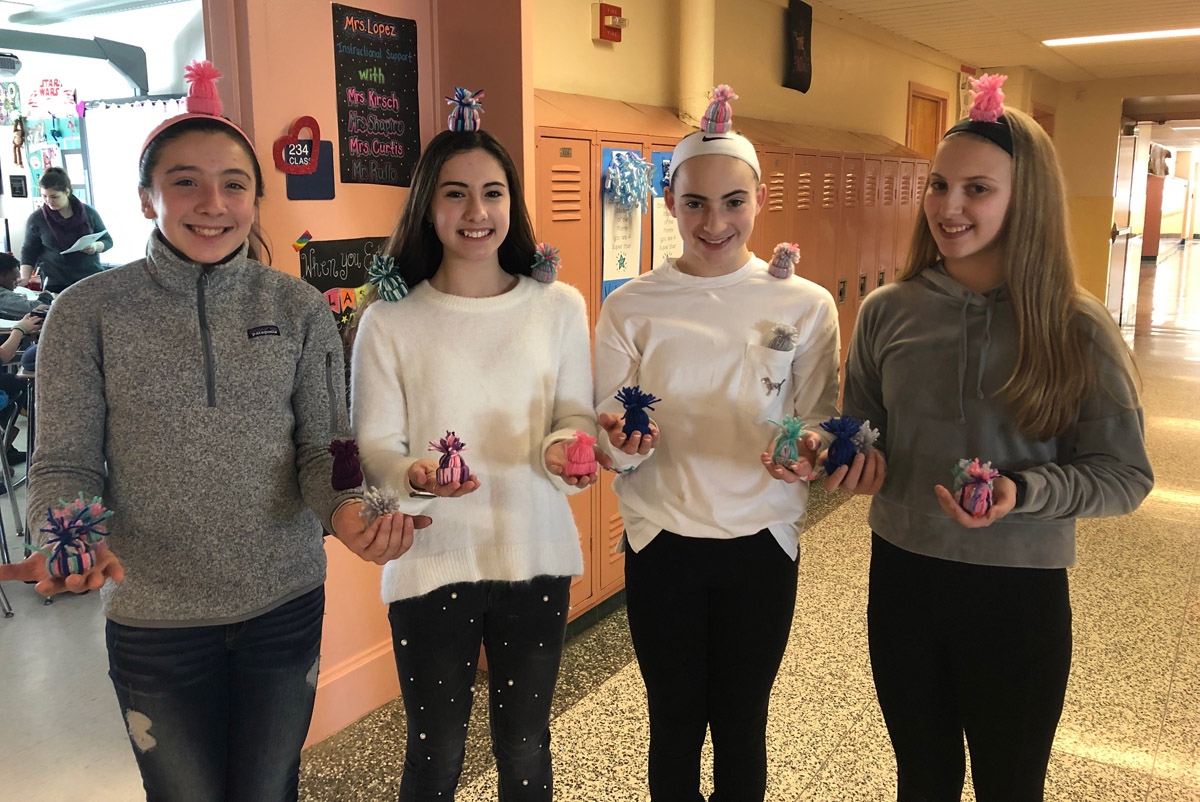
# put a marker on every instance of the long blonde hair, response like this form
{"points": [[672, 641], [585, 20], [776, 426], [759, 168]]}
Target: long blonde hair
{"points": [[1058, 322]]}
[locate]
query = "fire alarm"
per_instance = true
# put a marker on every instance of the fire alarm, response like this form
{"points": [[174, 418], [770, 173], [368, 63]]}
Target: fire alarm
{"points": [[607, 22]]}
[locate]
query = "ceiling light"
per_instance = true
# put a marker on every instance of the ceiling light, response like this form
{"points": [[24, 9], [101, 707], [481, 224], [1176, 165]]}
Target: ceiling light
{"points": [[1186, 128], [1122, 37]]}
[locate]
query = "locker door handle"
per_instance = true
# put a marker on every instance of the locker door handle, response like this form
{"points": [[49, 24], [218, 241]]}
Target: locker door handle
{"points": [[882, 278], [841, 293], [862, 286]]}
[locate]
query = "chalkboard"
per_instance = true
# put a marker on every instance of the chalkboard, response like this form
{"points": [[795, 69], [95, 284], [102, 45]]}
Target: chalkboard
{"points": [[375, 67], [338, 268]]}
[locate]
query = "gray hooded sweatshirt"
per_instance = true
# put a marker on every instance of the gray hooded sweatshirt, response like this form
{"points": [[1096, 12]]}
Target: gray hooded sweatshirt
{"points": [[199, 403], [926, 365]]}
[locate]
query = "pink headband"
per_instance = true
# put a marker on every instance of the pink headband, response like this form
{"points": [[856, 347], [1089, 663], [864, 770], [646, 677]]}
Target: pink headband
{"points": [[202, 103]]}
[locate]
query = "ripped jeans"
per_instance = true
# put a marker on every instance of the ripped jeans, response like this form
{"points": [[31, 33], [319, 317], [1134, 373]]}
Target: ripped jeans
{"points": [[219, 713]]}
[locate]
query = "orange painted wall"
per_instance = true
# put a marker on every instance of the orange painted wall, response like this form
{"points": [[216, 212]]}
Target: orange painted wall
{"points": [[279, 57]]}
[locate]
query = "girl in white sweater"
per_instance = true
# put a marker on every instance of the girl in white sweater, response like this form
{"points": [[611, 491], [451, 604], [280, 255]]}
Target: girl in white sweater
{"points": [[481, 348]]}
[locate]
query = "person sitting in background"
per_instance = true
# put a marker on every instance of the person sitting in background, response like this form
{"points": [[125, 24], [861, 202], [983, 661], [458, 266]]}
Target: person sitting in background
{"points": [[13, 305], [16, 389], [54, 228]]}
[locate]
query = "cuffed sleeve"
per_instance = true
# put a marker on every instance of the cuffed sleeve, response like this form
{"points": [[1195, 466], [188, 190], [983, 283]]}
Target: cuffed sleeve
{"points": [[617, 366], [573, 387]]}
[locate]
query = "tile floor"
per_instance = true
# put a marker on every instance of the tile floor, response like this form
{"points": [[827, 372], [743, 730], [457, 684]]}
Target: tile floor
{"points": [[1130, 730]]}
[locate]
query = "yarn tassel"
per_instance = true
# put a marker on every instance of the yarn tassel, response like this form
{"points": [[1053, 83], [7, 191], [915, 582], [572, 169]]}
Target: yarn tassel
{"points": [[786, 449], [636, 403], [347, 472]]}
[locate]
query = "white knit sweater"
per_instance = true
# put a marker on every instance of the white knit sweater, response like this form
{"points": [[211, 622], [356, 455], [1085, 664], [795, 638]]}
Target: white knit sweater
{"points": [[701, 344], [511, 375]]}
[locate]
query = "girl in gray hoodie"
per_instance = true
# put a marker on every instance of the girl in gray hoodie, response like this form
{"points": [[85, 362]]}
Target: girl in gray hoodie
{"points": [[969, 618]]}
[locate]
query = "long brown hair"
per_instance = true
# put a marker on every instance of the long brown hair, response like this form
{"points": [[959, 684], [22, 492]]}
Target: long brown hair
{"points": [[1058, 322], [414, 243]]}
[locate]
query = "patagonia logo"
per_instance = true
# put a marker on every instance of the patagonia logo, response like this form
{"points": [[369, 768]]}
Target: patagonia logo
{"points": [[262, 331]]}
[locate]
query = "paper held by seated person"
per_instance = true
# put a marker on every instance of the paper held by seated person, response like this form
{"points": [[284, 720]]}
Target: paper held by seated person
{"points": [[84, 241]]}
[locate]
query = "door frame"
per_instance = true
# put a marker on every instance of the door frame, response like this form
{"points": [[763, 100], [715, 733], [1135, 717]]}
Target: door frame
{"points": [[942, 98]]}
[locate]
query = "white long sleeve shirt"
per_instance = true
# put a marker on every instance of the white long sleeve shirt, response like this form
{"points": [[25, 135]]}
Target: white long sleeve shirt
{"points": [[511, 375], [701, 344]]}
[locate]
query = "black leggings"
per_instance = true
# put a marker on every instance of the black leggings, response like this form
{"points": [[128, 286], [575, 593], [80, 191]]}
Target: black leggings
{"points": [[979, 649], [709, 620]]}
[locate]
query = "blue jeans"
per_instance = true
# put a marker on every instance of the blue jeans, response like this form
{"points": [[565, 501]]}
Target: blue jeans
{"points": [[436, 638], [220, 712]]}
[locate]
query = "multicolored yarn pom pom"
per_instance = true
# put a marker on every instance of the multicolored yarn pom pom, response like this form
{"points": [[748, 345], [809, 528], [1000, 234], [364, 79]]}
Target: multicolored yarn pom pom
{"points": [[784, 259], [545, 263], [74, 529], [347, 472], [468, 106], [843, 449], [783, 337], [386, 278], [202, 95], [378, 502], [718, 117], [636, 403], [581, 457], [786, 449], [627, 181], [451, 466], [987, 105], [973, 486]]}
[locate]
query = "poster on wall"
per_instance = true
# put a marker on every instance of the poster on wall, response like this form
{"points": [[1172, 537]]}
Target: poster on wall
{"points": [[664, 231], [338, 268], [622, 237], [798, 70], [375, 70]]}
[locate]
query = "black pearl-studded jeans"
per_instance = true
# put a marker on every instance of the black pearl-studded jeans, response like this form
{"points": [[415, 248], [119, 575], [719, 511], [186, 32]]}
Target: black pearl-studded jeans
{"points": [[436, 639]]}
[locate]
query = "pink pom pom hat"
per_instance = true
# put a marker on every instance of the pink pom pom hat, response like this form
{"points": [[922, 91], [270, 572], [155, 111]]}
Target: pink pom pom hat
{"points": [[201, 102], [986, 118]]}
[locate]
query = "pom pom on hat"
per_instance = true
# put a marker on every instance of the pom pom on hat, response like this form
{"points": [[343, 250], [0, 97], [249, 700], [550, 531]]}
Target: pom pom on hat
{"points": [[546, 262], [988, 103], [202, 96], [718, 117], [784, 259], [468, 106]]}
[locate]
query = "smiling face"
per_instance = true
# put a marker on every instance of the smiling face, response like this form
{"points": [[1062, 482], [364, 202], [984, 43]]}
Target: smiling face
{"points": [[202, 195], [970, 185], [470, 207], [715, 199]]}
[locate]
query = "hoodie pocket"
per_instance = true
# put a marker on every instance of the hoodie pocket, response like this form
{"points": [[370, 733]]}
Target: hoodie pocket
{"points": [[766, 382]]}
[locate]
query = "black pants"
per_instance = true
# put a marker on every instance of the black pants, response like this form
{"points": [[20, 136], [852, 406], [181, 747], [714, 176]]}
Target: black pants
{"points": [[968, 648], [709, 620], [436, 639]]}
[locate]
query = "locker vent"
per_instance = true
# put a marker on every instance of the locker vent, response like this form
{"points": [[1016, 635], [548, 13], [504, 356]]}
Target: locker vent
{"points": [[889, 189], [828, 191], [616, 528], [870, 189], [566, 193], [905, 190], [775, 192], [921, 182], [804, 196], [850, 199]]}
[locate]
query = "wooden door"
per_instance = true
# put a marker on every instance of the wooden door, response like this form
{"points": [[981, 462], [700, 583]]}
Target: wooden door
{"points": [[926, 118], [564, 218]]}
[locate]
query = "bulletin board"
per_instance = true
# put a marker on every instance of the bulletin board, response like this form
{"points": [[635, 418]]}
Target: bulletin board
{"points": [[621, 237]]}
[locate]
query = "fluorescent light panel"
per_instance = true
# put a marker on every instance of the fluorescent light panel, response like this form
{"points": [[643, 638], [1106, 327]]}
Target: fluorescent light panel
{"points": [[1122, 37]]}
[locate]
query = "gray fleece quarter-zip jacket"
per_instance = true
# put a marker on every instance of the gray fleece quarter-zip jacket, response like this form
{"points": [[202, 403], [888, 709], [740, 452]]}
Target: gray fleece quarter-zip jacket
{"points": [[926, 365], [199, 403]]}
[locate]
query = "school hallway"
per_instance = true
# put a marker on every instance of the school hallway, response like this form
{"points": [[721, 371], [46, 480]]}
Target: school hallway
{"points": [[1130, 730]]}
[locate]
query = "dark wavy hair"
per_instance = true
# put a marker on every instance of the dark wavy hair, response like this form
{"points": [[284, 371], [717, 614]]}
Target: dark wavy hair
{"points": [[153, 152], [415, 244], [55, 179]]}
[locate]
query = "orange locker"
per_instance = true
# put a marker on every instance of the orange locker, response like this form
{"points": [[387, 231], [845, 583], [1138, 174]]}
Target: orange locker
{"points": [[803, 229], [905, 212], [826, 177], [850, 217], [774, 221], [885, 258], [868, 242]]}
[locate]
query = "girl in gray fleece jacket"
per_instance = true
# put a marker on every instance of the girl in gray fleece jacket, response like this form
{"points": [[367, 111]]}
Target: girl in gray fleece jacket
{"points": [[986, 347], [196, 392]]}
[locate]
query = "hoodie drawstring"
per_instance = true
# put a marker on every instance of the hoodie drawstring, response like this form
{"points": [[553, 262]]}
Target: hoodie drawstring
{"points": [[983, 353]]}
